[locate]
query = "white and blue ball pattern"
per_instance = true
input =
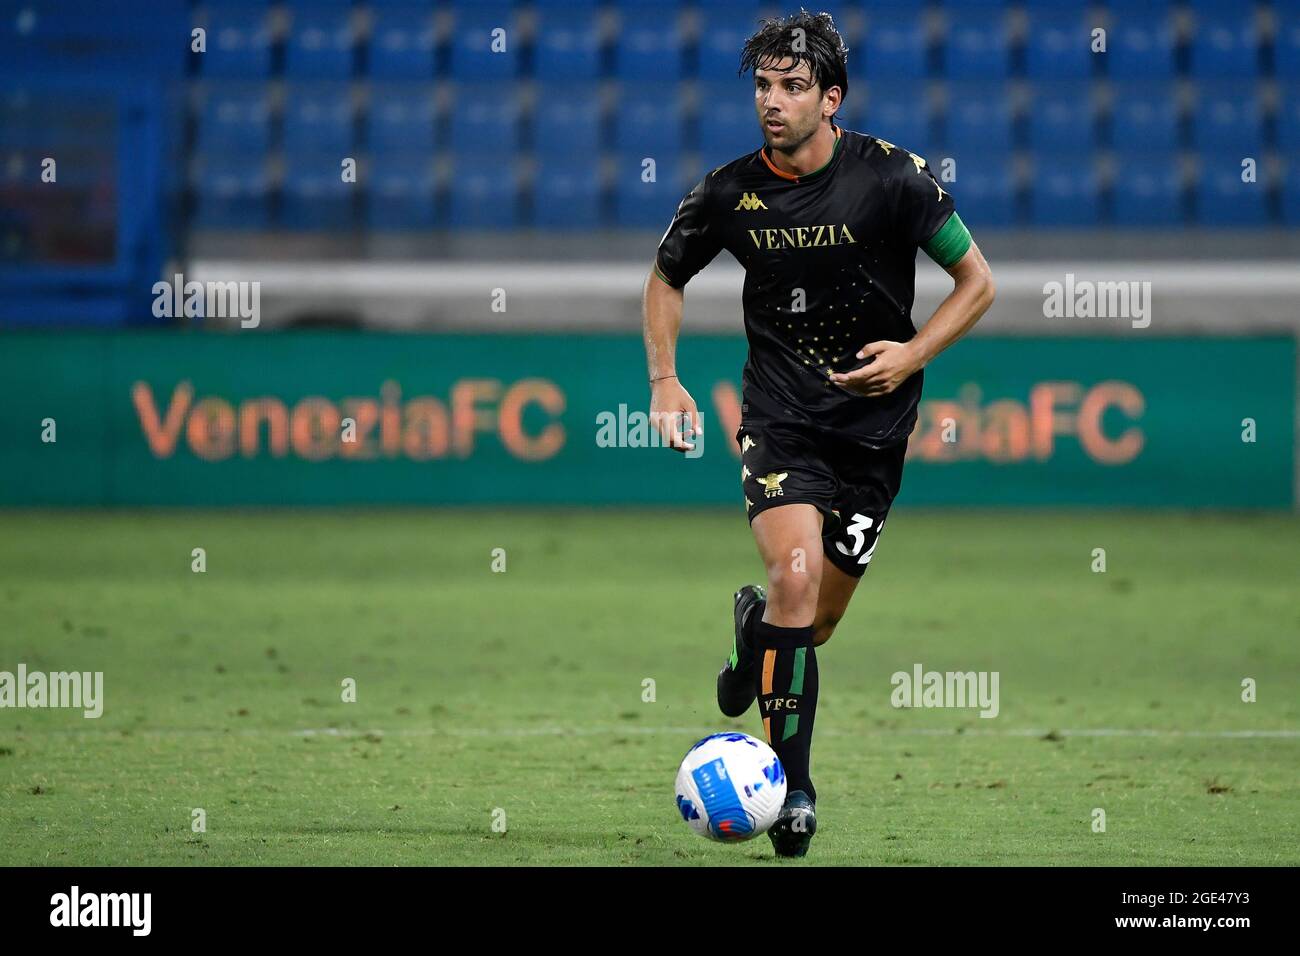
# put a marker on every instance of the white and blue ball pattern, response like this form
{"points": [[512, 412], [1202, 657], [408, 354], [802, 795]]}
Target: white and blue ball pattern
{"points": [[730, 787]]}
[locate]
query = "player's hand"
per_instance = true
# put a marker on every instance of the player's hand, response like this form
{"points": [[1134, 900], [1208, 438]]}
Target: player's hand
{"points": [[671, 408], [892, 365]]}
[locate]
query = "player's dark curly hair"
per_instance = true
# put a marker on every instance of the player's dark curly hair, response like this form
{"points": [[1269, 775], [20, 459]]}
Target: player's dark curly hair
{"points": [[823, 48]]}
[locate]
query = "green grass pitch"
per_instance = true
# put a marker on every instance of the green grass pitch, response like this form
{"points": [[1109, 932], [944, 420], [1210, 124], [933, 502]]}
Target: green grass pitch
{"points": [[516, 697]]}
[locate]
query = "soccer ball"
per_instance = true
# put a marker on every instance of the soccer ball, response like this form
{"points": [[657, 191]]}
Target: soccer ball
{"points": [[730, 787]]}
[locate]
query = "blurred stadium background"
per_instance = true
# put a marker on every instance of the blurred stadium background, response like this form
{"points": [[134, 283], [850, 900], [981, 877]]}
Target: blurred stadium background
{"points": [[500, 187]]}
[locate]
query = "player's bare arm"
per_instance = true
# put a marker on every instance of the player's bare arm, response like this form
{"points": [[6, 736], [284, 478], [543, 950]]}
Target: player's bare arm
{"points": [[895, 362], [671, 406]]}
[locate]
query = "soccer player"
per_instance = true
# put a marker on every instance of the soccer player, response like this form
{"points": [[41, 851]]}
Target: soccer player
{"points": [[826, 223]]}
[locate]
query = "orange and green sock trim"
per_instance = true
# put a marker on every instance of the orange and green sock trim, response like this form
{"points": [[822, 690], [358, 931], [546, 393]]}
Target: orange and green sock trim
{"points": [[787, 696]]}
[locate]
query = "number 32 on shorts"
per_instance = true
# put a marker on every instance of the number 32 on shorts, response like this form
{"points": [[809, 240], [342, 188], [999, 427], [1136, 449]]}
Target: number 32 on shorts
{"points": [[859, 527]]}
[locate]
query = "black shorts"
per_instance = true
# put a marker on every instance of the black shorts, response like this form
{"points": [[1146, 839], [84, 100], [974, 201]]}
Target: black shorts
{"points": [[851, 485]]}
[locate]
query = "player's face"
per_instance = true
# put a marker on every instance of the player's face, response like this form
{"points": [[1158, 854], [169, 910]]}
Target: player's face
{"points": [[789, 104]]}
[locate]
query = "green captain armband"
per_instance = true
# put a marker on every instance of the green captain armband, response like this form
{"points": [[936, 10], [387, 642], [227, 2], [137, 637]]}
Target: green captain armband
{"points": [[950, 243]]}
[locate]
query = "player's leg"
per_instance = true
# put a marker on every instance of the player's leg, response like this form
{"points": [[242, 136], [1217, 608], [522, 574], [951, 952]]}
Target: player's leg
{"points": [[786, 678], [789, 540], [788, 490], [869, 482], [832, 601], [779, 466]]}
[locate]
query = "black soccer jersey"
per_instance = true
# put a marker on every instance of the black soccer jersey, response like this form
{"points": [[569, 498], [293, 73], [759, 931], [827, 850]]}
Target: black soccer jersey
{"points": [[830, 265]]}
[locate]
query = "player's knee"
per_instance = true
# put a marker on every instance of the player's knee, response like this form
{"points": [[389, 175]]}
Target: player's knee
{"points": [[791, 588]]}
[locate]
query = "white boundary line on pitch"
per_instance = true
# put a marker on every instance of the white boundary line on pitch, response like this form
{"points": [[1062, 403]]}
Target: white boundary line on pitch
{"points": [[702, 729], [918, 732]]}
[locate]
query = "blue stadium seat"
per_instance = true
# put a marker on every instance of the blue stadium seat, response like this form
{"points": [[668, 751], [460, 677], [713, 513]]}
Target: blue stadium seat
{"points": [[1065, 192], [895, 46], [565, 128], [320, 41], [39, 119], [724, 26], [1225, 42], [1223, 199], [979, 118], [1062, 119], [1053, 6], [649, 44], [318, 117], [1147, 188], [93, 37], [643, 205], [648, 121], [728, 122], [984, 189], [1147, 114], [1288, 118], [236, 118], [231, 191], [567, 195], [238, 40], [472, 55], [1059, 43], [313, 195], [897, 112], [1286, 45], [1140, 41], [484, 191], [1228, 117], [402, 118], [977, 45], [402, 192], [841, 12], [566, 44], [853, 109], [485, 119], [403, 41]]}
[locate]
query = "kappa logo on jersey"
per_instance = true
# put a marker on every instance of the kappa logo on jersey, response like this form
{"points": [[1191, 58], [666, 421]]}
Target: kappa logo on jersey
{"points": [[772, 483], [917, 161], [750, 201], [746, 444]]}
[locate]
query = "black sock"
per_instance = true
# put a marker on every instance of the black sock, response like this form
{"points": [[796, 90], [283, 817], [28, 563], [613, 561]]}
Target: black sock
{"points": [[785, 678]]}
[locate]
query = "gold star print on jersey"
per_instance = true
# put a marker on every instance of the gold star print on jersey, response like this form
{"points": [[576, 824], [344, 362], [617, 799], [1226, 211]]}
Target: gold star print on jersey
{"points": [[830, 262]]}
